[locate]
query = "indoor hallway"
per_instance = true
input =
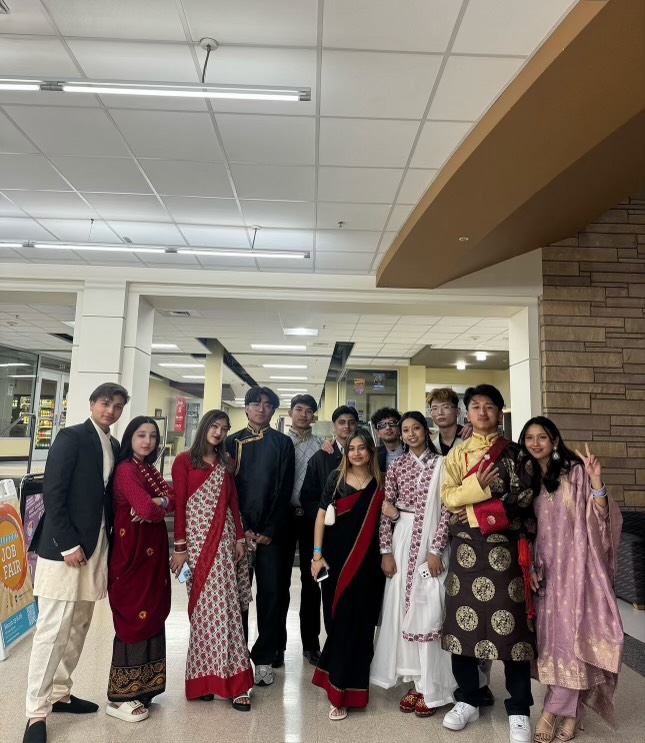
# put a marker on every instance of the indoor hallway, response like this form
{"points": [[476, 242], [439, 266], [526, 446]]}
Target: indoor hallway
{"points": [[290, 711]]}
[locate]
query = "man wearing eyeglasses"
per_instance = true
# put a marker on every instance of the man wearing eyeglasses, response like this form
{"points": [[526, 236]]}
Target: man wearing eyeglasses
{"points": [[386, 422], [264, 475], [444, 409]]}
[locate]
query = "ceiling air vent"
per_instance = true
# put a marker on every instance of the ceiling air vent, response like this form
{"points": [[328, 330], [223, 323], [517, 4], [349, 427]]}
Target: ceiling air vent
{"points": [[179, 313]]}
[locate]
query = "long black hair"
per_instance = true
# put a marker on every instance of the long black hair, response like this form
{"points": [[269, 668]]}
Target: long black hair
{"points": [[419, 418], [126, 452], [199, 449], [557, 466]]}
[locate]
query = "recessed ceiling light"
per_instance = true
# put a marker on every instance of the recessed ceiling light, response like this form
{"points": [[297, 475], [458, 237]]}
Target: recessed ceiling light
{"points": [[464, 239], [481, 355], [461, 365], [276, 347], [182, 366], [284, 366], [300, 331], [164, 347], [192, 376], [290, 379]]}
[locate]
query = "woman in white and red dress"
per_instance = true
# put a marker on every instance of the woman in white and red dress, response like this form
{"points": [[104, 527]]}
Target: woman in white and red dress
{"points": [[209, 536]]}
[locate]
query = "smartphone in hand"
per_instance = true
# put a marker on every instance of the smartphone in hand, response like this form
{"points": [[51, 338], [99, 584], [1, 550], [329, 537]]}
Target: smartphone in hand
{"points": [[322, 575], [184, 574]]}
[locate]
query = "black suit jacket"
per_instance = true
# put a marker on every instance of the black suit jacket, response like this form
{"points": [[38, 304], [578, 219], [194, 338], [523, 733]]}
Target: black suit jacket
{"points": [[319, 467], [74, 494]]}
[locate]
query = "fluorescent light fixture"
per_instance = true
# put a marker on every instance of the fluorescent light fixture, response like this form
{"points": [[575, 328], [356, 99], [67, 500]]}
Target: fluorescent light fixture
{"points": [[164, 347], [21, 376], [284, 366], [276, 347], [172, 90], [290, 379], [461, 365], [481, 355], [192, 376], [300, 331], [182, 366], [160, 249], [292, 389], [14, 363]]}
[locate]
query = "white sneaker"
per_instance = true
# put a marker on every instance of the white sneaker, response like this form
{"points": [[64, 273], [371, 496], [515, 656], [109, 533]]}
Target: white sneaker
{"points": [[520, 726], [460, 715], [263, 675]]}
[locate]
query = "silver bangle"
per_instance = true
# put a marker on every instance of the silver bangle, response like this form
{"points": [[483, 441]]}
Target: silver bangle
{"points": [[602, 493]]}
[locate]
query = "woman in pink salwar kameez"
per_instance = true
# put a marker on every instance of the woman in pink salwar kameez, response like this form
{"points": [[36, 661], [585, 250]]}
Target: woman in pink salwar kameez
{"points": [[579, 631], [210, 537]]}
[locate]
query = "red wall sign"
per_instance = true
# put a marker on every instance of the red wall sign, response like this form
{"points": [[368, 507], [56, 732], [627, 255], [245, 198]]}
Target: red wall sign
{"points": [[180, 415]]}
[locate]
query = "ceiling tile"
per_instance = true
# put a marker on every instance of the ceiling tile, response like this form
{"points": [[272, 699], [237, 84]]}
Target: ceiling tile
{"points": [[288, 182], [111, 175], [169, 135], [124, 60], [469, 85], [408, 25], [269, 239], [366, 143], [203, 211], [361, 185], [64, 205], [27, 17], [353, 216], [399, 214], [158, 260], [215, 237], [148, 233], [34, 57], [211, 262], [437, 141], [415, 184], [11, 140], [182, 178], [145, 19], [279, 214], [127, 206], [79, 230], [390, 85], [68, 131], [346, 241], [506, 26], [281, 22], [29, 172], [22, 229], [341, 262], [287, 140], [8, 209]]}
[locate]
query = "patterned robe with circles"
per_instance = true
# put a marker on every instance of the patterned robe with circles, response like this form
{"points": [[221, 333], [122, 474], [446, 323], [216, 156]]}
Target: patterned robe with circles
{"points": [[485, 608]]}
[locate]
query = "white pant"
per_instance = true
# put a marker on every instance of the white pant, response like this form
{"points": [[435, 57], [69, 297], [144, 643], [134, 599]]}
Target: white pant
{"points": [[58, 642]]}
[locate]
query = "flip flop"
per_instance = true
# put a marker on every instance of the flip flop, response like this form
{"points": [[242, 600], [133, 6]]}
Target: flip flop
{"points": [[240, 706], [126, 711], [339, 715]]}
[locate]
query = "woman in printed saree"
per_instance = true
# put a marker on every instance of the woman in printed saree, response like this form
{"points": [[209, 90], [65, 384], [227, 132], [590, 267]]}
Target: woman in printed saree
{"points": [[346, 546], [138, 574], [408, 647], [579, 631], [210, 538]]}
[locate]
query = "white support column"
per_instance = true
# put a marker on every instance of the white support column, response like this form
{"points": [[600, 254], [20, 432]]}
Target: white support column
{"points": [[135, 371], [524, 359]]}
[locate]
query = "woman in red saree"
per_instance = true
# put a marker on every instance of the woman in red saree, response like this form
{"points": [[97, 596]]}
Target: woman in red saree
{"points": [[349, 550], [210, 538], [138, 574]]}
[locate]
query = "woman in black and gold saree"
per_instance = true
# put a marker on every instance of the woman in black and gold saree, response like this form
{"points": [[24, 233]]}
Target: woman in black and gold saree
{"points": [[346, 546]]}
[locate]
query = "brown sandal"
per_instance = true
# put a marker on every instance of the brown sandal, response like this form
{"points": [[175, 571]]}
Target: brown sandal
{"points": [[409, 701], [564, 731], [548, 733]]}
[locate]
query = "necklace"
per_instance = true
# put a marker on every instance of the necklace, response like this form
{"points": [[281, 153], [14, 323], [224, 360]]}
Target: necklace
{"points": [[361, 483]]}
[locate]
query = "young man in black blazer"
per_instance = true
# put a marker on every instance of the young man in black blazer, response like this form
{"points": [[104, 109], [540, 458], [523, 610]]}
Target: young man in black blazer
{"points": [[72, 546]]}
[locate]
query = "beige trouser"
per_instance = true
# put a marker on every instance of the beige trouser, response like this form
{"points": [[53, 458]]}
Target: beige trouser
{"points": [[58, 642]]}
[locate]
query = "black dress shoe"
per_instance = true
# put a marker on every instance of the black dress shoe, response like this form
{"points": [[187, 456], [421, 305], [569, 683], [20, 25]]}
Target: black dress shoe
{"points": [[75, 706], [278, 661], [313, 656], [36, 733], [486, 698]]}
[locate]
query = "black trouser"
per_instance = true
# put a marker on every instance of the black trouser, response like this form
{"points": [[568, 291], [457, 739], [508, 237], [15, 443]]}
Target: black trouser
{"points": [[518, 683], [268, 577], [300, 530]]}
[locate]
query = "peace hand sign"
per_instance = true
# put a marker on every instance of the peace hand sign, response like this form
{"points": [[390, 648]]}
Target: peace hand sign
{"points": [[592, 467]]}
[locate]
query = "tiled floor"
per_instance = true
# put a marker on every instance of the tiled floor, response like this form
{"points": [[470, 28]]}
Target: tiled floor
{"points": [[290, 711]]}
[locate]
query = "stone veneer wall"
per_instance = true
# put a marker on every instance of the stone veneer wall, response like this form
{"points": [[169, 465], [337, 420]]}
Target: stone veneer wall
{"points": [[592, 330]]}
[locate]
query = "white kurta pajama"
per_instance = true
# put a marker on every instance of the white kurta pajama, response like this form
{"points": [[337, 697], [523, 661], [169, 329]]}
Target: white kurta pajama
{"points": [[408, 646]]}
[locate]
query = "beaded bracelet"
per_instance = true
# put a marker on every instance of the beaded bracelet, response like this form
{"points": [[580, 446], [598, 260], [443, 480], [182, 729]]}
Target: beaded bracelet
{"points": [[602, 493]]}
